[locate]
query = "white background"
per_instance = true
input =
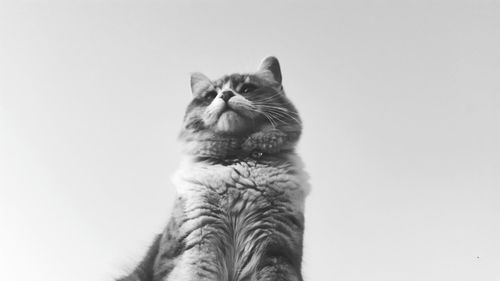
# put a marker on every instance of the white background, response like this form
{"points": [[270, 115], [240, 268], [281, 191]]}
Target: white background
{"points": [[400, 101]]}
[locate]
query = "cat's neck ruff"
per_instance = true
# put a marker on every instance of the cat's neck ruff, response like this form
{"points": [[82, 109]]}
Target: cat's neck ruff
{"points": [[281, 172]]}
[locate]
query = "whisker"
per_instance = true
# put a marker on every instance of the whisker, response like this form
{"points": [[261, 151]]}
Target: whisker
{"points": [[274, 96], [284, 113], [277, 117], [267, 116], [281, 112]]}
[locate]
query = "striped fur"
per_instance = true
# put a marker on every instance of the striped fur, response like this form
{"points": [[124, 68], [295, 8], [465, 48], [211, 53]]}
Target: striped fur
{"points": [[241, 188]]}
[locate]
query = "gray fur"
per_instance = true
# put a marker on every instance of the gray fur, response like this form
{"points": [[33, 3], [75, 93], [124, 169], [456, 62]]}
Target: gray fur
{"points": [[241, 188]]}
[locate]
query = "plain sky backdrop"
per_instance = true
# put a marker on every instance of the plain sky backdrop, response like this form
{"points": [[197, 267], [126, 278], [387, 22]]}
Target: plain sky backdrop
{"points": [[400, 102]]}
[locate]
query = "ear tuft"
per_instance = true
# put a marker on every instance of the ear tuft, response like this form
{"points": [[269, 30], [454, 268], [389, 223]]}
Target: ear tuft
{"points": [[199, 82], [271, 64]]}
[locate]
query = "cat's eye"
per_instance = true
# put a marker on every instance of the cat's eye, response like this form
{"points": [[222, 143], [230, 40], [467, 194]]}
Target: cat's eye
{"points": [[210, 95], [247, 88]]}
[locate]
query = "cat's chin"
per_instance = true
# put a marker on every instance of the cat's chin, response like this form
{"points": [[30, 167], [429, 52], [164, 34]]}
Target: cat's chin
{"points": [[232, 122]]}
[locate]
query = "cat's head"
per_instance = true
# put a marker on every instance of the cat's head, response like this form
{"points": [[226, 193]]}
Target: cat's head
{"points": [[238, 105]]}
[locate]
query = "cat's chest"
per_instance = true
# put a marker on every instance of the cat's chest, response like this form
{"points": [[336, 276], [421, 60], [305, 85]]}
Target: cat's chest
{"points": [[227, 186], [229, 214]]}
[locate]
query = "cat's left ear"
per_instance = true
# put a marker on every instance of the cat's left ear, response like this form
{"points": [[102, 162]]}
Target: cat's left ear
{"points": [[199, 82], [272, 65]]}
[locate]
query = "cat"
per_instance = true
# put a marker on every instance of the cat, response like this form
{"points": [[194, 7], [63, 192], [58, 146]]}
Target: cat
{"points": [[239, 211]]}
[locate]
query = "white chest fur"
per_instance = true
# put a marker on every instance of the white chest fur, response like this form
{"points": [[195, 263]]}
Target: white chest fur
{"points": [[249, 177], [225, 213]]}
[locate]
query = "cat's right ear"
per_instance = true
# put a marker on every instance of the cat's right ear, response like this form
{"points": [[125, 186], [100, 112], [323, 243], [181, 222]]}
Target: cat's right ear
{"points": [[199, 82], [271, 65]]}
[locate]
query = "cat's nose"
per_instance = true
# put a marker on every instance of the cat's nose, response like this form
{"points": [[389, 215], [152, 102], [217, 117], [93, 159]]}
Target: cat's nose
{"points": [[226, 95]]}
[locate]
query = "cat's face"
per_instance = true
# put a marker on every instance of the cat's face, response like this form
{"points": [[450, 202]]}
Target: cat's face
{"points": [[240, 104]]}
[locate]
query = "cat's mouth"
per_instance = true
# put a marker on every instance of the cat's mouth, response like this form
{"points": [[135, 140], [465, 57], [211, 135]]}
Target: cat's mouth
{"points": [[231, 121], [232, 116]]}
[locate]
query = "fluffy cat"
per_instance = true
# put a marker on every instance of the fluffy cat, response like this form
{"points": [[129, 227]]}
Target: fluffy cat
{"points": [[241, 187]]}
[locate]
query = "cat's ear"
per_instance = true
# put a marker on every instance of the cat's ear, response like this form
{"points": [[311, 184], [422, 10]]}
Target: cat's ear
{"points": [[199, 82], [272, 65]]}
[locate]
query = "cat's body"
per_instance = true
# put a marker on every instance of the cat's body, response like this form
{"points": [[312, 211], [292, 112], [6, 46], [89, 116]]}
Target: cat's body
{"points": [[241, 187]]}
